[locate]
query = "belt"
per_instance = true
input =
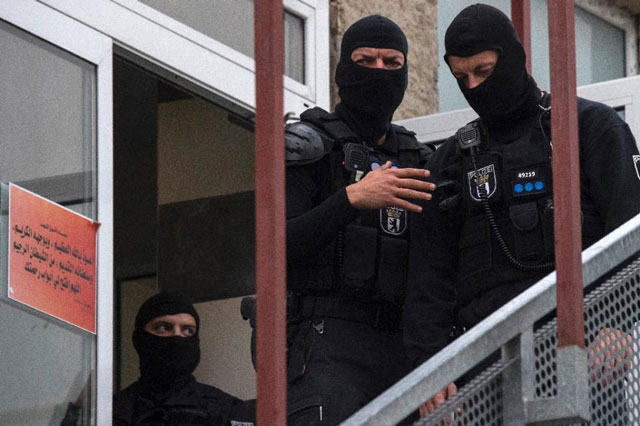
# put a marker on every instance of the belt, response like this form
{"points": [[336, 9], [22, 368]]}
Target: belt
{"points": [[380, 315]]}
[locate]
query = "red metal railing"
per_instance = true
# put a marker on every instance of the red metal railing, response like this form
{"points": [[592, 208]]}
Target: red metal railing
{"points": [[566, 174], [270, 215], [566, 165], [521, 18]]}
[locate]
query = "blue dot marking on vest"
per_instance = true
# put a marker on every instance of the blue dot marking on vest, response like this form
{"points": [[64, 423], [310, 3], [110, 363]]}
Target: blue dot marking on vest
{"points": [[528, 187], [518, 188], [539, 185]]}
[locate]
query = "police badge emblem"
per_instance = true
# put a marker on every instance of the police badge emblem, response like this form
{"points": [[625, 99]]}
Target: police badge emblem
{"points": [[482, 182], [393, 220], [636, 163]]}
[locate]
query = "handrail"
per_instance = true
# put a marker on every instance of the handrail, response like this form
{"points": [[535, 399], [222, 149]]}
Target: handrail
{"points": [[489, 335]]}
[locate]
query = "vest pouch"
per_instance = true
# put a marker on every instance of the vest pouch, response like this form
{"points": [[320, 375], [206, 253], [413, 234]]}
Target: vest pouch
{"points": [[359, 259], [475, 247], [316, 275], [392, 269], [527, 235]]}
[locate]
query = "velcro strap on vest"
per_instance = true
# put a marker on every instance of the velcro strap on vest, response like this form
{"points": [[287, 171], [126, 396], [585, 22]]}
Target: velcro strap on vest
{"points": [[330, 123]]}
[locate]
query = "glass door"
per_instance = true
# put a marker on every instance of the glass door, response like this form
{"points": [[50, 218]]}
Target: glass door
{"points": [[55, 140]]}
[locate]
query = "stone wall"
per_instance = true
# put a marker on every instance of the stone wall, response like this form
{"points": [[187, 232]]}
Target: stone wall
{"points": [[418, 20]]}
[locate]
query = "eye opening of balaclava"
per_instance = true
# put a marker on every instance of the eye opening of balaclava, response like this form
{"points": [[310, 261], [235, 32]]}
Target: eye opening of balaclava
{"points": [[509, 94], [370, 96], [165, 361]]}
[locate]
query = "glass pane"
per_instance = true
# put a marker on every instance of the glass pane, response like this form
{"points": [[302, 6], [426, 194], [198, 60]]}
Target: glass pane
{"points": [[294, 47], [231, 22], [600, 48], [47, 140]]}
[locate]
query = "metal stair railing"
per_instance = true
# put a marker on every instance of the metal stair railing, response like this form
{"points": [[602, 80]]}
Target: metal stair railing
{"points": [[528, 383]]}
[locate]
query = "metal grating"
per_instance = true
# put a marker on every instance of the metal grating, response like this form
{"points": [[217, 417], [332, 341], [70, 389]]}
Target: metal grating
{"points": [[612, 333], [477, 403]]}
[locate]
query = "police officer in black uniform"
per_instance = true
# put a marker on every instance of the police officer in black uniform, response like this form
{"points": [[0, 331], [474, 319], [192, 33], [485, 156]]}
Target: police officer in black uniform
{"points": [[349, 175], [167, 394], [488, 233]]}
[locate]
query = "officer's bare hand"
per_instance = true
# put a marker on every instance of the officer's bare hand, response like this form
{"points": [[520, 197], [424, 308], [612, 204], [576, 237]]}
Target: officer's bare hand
{"points": [[386, 187], [438, 399], [610, 355]]}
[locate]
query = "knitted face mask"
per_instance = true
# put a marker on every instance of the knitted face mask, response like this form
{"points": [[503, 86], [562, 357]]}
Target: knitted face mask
{"points": [[509, 93], [163, 360], [369, 96]]}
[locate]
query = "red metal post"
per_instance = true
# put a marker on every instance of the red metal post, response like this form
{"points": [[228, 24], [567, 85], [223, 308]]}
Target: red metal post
{"points": [[521, 18], [566, 174], [270, 214]]}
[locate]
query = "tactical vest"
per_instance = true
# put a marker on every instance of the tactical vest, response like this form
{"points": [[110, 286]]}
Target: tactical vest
{"points": [[194, 405], [515, 180], [368, 260]]}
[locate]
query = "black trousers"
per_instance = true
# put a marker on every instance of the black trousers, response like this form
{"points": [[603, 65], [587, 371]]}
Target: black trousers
{"points": [[335, 367]]}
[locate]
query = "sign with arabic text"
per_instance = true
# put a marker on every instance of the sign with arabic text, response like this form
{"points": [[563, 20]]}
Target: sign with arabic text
{"points": [[52, 258]]}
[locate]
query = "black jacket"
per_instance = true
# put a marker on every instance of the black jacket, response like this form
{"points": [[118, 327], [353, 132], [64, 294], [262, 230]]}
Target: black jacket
{"points": [[439, 297], [194, 404]]}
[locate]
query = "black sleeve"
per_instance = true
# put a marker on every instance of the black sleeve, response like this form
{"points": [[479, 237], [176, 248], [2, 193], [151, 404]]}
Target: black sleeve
{"points": [[607, 150], [429, 311], [243, 411], [314, 215]]}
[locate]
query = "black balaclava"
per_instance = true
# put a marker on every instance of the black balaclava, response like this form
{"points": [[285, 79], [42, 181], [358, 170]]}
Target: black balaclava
{"points": [[369, 97], [510, 93], [165, 362]]}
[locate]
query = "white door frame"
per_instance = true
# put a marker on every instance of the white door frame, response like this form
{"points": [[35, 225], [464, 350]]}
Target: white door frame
{"points": [[88, 44], [203, 61], [619, 93]]}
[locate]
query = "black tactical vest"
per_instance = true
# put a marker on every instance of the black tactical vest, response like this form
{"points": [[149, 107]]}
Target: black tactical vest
{"points": [[193, 405], [368, 260], [515, 180]]}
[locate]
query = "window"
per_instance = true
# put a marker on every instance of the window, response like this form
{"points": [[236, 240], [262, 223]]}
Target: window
{"points": [[48, 141], [231, 22]]}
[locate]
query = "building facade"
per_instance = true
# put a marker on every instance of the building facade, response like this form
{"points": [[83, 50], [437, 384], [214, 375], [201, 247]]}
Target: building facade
{"points": [[139, 114]]}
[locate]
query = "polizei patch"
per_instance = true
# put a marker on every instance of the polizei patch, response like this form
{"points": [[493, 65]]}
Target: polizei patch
{"points": [[393, 220], [482, 182], [636, 163]]}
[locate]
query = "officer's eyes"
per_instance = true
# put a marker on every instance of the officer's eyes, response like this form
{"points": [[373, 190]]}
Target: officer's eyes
{"points": [[365, 61], [484, 72], [461, 77], [393, 63], [189, 331], [162, 327]]}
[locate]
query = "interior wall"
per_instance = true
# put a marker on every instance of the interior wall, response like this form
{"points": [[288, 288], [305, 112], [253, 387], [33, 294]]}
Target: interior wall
{"points": [[200, 153], [226, 351], [132, 294]]}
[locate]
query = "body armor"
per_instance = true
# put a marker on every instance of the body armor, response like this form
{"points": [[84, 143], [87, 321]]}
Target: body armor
{"points": [[514, 179], [368, 260]]}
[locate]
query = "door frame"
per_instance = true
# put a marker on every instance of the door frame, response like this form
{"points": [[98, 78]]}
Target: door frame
{"points": [[96, 48]]}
